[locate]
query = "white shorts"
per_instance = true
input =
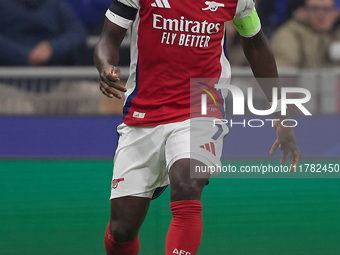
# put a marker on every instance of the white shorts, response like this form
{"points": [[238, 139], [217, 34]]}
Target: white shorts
{"points": [[145, 154]]}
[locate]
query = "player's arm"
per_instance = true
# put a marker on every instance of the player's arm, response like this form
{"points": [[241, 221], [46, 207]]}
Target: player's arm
{"points": [[262, 63], [106, 57], [261, 60], [119, 18]]}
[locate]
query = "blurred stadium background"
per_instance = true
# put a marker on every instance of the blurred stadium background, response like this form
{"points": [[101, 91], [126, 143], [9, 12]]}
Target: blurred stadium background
{"points": [[57, 140]]}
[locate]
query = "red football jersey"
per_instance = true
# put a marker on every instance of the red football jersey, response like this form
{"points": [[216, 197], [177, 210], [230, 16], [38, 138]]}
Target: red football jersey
{"points": [[171, 42]]}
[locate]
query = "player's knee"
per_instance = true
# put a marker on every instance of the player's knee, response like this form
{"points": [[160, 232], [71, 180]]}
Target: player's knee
{"points": [[183, 187], [122, 233], [186, 190]]}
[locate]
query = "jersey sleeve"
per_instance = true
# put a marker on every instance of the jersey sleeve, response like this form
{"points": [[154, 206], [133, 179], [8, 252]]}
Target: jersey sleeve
{"points": [[246, 20], [123, 12]]}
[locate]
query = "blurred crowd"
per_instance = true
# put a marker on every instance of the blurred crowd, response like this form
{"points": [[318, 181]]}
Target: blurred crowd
{"points": [[303, 33], [48, 32]]}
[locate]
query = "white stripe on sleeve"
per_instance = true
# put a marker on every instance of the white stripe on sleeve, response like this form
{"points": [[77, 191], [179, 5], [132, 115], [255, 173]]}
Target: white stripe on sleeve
{"points": [[120, 21]]}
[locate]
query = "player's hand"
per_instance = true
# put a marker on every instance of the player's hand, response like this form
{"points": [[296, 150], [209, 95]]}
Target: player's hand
{"points": [[109, 82], [40, 54], [287, 143]]}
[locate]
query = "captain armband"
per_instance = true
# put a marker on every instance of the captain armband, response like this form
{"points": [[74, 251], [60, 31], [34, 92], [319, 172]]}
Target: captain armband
{"points": [[121, 14], [249, 25]]}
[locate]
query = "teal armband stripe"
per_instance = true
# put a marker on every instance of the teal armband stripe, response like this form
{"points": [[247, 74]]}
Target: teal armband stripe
{"points": [[248, 25]]}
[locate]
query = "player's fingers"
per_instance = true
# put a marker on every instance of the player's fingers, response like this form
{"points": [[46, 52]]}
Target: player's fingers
{"points": [[276, 123], [292, 160], [108, 78], [112, 77], [104, 92], [284, 145], [284, 157], [291, 157], [274, 147], [118, 86], [112, 74], [110, 91], [113, 84], [111, 87], [295, 157]]}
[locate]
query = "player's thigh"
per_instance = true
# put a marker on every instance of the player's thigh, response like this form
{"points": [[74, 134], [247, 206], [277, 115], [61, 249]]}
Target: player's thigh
{"points": [[193, 145], [127, 216], [183, 185]]}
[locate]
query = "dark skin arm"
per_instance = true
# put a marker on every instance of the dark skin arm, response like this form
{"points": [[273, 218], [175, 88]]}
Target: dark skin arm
{"points": [[262, 63], [106, 57]]}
